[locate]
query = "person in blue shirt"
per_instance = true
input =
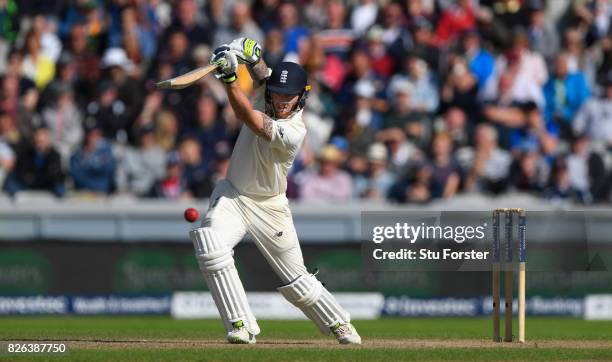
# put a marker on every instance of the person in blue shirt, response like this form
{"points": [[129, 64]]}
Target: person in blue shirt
{"points": [[564, 93], [293, 32], [92, 167], [537, 131], [480, 61]]}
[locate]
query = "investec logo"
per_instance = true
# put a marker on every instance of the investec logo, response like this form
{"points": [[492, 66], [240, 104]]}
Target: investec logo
{"points": [[283, 77]]}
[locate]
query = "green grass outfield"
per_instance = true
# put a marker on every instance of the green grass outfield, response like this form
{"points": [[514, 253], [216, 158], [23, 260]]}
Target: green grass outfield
{"points": [[161, 338]]}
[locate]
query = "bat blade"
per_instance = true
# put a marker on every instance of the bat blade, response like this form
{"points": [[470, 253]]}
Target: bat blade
{"points": [[187, 79]]}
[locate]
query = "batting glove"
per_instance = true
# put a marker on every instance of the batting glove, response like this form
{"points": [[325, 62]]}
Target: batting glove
{"points": [[247, 50], [226, 63]]}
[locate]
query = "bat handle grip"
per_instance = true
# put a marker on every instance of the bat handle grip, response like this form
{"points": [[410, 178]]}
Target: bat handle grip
{"points": [[166, 84]]}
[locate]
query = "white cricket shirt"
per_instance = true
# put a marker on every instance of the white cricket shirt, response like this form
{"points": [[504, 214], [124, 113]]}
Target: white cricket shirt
{"points": [[258, 167]]}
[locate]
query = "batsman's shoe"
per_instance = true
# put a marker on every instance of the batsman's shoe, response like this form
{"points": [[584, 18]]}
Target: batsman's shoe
{"points": [[239, 334], [346, 333]]}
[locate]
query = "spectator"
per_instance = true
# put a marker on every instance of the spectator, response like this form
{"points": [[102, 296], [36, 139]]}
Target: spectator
{"points": [[173, 185], [395, 36], [318, 119], [460, 88], [403, 116], [445, 171], [573, 44], [586, 172], [329, 70], [275, 49], [328, 183], [141, 167], [176, 55], [209, 129], [355, 162], [38, 166], [87, 14], [425, 97], [455, 19], [376, 184], [560, 186], [9, 92], [336, 39], [366, 115], [529, 172], [401, 152], [109, 112], [487, 165], [63, 119], [293, 32], [481, 62], [536, 131], [46, 28], [527, 67], [604, 66], [166, 130], [315, 14], [266, 13], [565, 93], [360, 70], [118, 66], [341, 145], [423, 43], [414, 187], [601, 12], [454, 122], [363, 16], [241, 25], [27, 117], [542, 34], [190, 21], [36, 65], [419, 8], [219, 171], [595, 117], [382, 63], [92, 166], [196, 175], [358, 136], [138, 33], [510, 84], [12, 70], [86, 61], [506, 111], [65, 75]]}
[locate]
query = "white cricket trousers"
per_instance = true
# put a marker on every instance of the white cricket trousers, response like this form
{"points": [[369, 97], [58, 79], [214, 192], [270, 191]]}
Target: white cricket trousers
{"points": [[267, 220]]}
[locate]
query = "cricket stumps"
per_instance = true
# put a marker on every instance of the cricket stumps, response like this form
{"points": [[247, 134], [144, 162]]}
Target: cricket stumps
{"points": [[506, 254]]}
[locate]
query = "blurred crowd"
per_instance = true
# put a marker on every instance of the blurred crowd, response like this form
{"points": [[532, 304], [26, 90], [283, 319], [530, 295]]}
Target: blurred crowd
{"points": [[411, 100]]}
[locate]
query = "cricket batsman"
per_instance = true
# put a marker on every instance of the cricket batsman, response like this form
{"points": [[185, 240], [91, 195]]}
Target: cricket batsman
{"points": [[252, 199]]}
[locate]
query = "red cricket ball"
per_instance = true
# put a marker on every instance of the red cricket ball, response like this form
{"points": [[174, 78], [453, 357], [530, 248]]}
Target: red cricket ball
{"points": [[191, 214]]}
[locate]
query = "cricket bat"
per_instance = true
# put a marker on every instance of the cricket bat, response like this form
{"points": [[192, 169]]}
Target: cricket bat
{"points": [[187, 79]]}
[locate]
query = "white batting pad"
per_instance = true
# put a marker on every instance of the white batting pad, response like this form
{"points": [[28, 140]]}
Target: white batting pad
{"points": [[308, 294], [217, 265]]}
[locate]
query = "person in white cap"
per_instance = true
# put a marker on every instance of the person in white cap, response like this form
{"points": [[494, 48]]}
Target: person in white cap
{"points": [[119, 67], [379, 180]]}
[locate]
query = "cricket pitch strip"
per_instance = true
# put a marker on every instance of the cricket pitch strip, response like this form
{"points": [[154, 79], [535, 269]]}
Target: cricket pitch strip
{"points": [[325, 343]]}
